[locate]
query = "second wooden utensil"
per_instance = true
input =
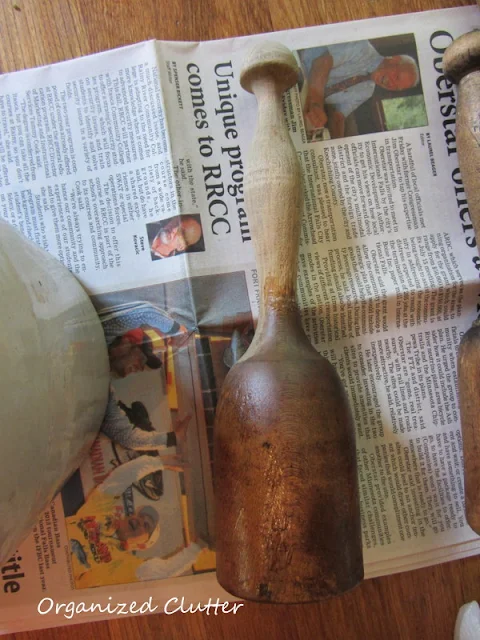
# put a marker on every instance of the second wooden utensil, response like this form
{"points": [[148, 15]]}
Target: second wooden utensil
{"points": [[462, 63]]}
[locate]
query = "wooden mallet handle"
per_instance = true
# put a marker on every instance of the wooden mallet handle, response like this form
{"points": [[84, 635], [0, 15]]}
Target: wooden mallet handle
{"points": [[273, 179], [462, 62]]}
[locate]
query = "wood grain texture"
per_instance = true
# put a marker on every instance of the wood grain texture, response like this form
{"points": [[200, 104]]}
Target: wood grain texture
{"points": [[411, 606], [469, 396]]}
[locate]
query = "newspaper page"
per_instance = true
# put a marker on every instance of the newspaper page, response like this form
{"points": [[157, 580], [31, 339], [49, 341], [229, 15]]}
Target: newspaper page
{"points": [[129, 166]]}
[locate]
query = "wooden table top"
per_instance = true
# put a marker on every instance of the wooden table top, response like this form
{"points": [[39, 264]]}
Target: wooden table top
{"points": [[416, 605]]}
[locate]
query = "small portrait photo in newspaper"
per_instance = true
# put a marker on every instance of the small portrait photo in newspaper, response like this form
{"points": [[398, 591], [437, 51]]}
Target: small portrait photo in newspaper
{"points": [[362, 87], [176, 235]]}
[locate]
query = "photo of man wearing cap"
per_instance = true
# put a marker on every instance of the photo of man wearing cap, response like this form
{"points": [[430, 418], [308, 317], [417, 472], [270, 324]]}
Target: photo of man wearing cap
{"points": [[137, 334]]}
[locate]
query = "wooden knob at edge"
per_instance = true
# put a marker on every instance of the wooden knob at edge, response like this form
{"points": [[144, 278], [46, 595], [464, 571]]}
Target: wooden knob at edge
{"points": [[462, 56]]}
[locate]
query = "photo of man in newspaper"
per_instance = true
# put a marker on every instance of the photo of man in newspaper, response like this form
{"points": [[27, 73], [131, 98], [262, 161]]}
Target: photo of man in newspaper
{"points": [[105, 539], [114, 530], [174, 236], [141, 508], [136, 332], [367, 86]]}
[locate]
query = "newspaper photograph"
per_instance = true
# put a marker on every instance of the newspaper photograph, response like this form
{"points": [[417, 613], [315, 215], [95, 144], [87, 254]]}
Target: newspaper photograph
{"points": [[365, 87], [129, 166]]}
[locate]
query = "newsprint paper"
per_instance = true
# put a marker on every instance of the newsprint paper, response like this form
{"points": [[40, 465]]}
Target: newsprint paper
{"points": [[129, 167]]}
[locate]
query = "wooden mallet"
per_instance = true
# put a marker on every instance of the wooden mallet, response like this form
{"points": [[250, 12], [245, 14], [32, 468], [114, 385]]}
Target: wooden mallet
{"points": [[286, 490], [462, 63]]}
